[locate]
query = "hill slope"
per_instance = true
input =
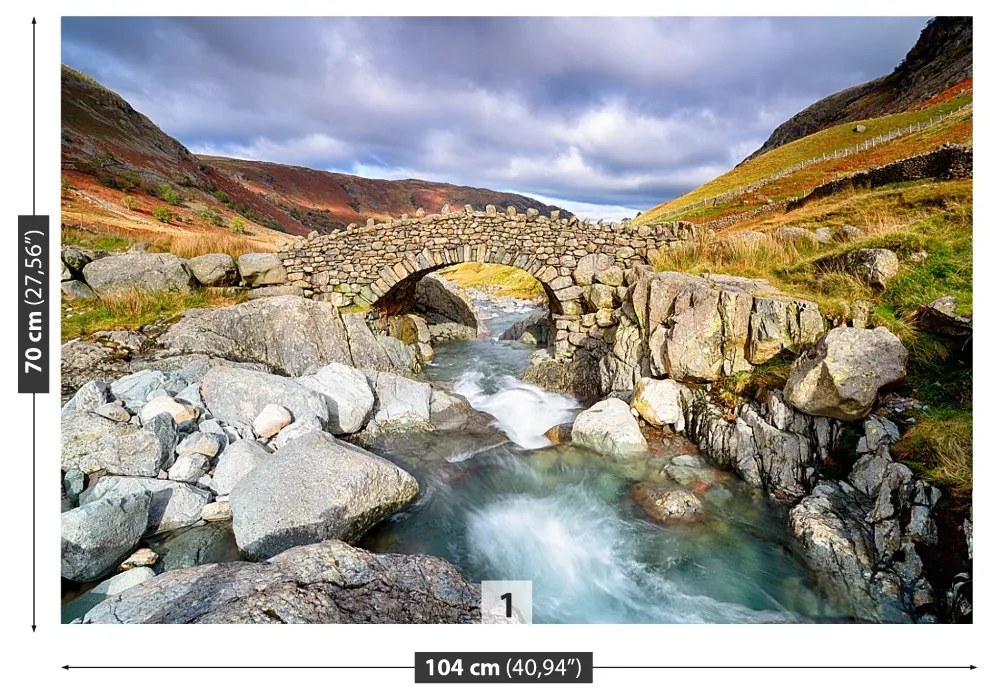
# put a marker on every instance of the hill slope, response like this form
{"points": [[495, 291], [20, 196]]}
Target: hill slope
{"points": [[324, 200], [124, 178], [942, 57]]}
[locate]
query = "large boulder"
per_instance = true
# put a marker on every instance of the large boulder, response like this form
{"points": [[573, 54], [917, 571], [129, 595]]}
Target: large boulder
{"points": [[215, 270], [83, 603], [329, 582], [236, 462], [875, 266], [940, 317], [289, 334], [315, 488], [97, 536], [609, 428], [379, 353], [92, 444], [701, 327], [658, 402], [237, 396], [532, 330], [664, 505], [261, 269], [447, 300], [83, 361], [840, 377], [400, 401], [76, 258], [349, 397], [173, 504], [210, 543], [149, 272]]}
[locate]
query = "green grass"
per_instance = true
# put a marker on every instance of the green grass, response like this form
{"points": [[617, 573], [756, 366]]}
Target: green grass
{"points": [[940, 448], [501, 280], [814, 145], [134, 309], [95, 241]]}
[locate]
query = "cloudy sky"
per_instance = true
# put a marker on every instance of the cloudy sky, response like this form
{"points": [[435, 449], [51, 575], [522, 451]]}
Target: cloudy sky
{"points": [[606, 117]]}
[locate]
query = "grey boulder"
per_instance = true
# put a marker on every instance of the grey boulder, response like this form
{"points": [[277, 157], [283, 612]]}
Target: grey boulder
{"points": [[214, 270], [609, 428], [237, 396], [261, 269], [149, 272], [97, 536], [329, 582], [349, 397], [92, 443], [315, 488], [237, 461], [875, 266], [400, 401], [173, 504], [841, 375], [290, 334]]}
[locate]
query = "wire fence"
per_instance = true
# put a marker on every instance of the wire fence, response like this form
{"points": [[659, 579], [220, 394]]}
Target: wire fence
{"points": [[838, 153]]}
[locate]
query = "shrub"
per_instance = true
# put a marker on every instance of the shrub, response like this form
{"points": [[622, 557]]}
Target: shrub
{"points": [[237, 225], [128, 202], [168, 194], [221, 196], [212, 216], [163, 214]]}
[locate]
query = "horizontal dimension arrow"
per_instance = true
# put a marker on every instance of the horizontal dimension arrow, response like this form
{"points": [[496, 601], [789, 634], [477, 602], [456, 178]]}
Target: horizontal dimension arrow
{"points": [[660, 668], [799, 668], [246, 667]]}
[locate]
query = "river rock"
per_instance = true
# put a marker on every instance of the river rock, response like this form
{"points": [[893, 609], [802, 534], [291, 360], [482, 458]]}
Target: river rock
{"points": [[261, 269], [114, 412], [447, 300], [83, 603], [315, 488], [289, 334], [184, 415], [174, 504], [218, 510], [400, 401], [659, 402], [875, 266], [210, 543], [149, 272], [214, 270], [97, 536], [270, 420], [83, 361], [840, 377], [532, 330], [237, 461], [237, 396], [329, 582], [940, 317], [144, 557], [91, 395], [559, 434], [294, 430], [349, 397], [668, 505], [92, 444], [199, 443], [135, 389], [609, 428], [76, 289], [189, 468]]}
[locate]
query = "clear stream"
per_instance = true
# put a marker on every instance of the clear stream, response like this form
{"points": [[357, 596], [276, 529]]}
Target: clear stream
{"points": [[519, 508]]}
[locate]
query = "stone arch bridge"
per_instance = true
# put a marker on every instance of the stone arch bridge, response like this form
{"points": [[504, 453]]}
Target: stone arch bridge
{"points": [[582, 265]]}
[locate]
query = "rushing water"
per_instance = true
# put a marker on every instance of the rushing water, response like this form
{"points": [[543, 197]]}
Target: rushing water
{"points": [[506, 504]]}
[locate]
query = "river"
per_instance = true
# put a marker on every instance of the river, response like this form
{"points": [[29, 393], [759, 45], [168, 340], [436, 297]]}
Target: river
{"points": [[509, 505]]}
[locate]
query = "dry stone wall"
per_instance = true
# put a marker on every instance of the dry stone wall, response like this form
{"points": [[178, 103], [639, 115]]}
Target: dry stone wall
{"points": [[582, 265]]}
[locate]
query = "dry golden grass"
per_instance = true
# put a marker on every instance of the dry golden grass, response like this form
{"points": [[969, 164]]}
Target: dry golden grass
{"points": [[501, 280], [940, 446], [182, 244]]}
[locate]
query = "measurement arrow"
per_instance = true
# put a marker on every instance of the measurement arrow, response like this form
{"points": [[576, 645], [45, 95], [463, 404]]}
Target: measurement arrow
{"points": [[664, 668], [241, 668], [797, 668], [34, 397]]}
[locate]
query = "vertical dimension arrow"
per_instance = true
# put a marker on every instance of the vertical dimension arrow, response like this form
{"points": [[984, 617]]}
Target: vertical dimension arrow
{"points": [[33, 315]]}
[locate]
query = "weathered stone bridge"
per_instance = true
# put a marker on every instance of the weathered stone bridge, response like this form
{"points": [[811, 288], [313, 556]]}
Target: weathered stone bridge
{"points": [[581, 265]]}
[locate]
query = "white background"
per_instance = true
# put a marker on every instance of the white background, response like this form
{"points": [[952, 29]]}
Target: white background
{"points": [[32, 661]]}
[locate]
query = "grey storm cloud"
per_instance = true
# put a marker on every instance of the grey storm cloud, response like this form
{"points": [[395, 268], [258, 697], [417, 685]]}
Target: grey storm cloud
{"points": [[604, 115]]}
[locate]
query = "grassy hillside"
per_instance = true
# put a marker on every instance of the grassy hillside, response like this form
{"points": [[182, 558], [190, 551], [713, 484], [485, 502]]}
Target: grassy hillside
{"points": [[957, 128], [930, 226]]}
